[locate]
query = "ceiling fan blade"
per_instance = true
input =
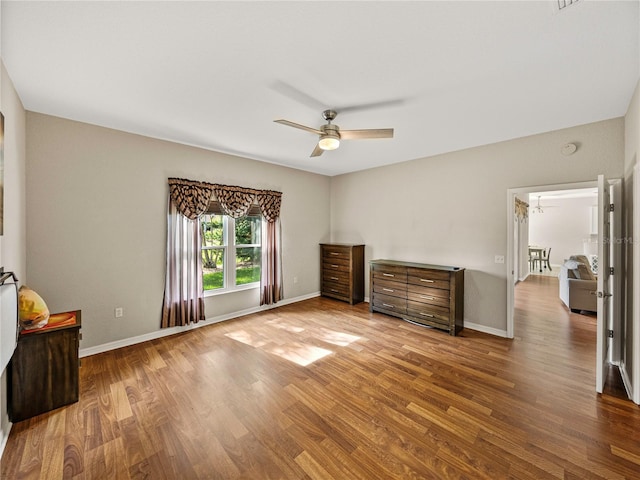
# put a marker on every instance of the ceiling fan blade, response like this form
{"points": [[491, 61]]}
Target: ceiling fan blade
{"points": [[397, 102], [297, 95], [316, 151], [297, 125], [363, 134]]}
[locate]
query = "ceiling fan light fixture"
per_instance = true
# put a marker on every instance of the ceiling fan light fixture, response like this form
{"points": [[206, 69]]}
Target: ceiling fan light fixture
{"points": [[329, 142]]}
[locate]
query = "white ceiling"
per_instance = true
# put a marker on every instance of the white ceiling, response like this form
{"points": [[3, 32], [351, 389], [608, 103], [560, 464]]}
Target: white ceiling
{"points": [[446, 75]]}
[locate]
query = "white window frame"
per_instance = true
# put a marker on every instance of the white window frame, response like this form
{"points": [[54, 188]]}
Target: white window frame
{"points": [[229, 248]]}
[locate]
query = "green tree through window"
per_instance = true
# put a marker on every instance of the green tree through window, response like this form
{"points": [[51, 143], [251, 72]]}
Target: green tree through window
{"points": [[231, 250]]}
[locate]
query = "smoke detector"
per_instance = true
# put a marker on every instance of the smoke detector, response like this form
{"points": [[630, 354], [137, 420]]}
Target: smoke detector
{"points": [[568, 149]]}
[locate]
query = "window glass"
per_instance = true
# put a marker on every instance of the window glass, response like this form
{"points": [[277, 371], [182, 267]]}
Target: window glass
{"points": [[247, 236], [213, 269], [248, 230], [247, 265], [230, 250], [212, 230], [213, 249]]}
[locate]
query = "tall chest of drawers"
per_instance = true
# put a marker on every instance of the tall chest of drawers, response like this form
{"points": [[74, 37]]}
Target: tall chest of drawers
{"points": [[342, 271], [431, 295]]}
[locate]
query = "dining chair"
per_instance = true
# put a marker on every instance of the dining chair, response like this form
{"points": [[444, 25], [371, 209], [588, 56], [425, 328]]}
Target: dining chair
{"points": [[545, 260], [534, 258]]}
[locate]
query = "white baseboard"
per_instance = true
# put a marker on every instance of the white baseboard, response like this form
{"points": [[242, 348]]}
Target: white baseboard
{"points": [[165, 332], [483, 329], [626, 380]]}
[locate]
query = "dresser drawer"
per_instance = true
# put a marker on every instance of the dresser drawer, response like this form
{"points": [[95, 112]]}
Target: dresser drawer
{"points": [[336, 276], [393, 289], [394, 304], [388, 272], [432, 313], [336, 253], [335, 264], [333, 288], [431, 296], [428, 278]]}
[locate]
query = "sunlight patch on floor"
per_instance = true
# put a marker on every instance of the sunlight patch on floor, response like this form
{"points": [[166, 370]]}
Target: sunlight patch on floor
{"points": [[300, 353], [300, 346], [337, 338], [285, 326], [245, 337]]}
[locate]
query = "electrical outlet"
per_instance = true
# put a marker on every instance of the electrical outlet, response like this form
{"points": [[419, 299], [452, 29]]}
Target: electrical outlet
{"points": [[295, 279], [118, 312], [499, 259]]}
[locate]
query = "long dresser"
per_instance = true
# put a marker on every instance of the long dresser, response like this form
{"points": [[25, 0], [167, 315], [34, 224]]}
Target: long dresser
{"points": [[342, 267], [431, 295]]}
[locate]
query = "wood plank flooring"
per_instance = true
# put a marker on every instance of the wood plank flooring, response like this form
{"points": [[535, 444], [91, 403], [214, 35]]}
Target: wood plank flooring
{"points": [[324, 390]]}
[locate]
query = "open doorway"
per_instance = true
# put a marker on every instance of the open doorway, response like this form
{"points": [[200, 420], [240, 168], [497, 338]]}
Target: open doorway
{"points": [[518, 265], [540, 201]]}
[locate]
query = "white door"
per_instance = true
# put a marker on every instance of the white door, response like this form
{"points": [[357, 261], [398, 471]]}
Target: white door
{"points": [[604, 296]]}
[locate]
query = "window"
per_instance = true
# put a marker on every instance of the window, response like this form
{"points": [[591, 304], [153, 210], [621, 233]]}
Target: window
{"points": [[230, 249]]}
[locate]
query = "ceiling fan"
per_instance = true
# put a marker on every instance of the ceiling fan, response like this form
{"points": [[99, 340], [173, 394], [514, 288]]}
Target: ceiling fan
{"points": [[330, 134], [538, 208]]}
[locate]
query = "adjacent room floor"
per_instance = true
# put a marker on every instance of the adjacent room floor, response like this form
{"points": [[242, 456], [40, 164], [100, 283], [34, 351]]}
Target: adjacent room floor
{"points": [[324, 390]]}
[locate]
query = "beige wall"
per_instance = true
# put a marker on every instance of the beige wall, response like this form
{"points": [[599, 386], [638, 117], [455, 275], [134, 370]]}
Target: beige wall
{"points": [[451, 209], [12, 243], [96, 234]]}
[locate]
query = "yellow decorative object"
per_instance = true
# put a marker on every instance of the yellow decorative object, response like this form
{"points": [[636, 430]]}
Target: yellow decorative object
{"points": [[33, 311]]}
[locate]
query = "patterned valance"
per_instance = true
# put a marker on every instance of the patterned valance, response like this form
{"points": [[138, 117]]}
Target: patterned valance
{"points": [[269, 202], [522, 210], [192, 199], [234, 200]]}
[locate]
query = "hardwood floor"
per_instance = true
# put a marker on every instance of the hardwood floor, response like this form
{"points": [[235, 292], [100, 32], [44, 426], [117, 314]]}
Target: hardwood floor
{"points": [[324, 390]]}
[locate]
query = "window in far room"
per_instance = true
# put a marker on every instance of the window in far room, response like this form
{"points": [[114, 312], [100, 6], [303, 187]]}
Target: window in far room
{"points": [[231, 249]]}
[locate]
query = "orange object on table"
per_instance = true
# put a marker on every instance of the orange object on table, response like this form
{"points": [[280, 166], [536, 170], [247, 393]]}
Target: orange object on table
{"points": [[56, 320]]}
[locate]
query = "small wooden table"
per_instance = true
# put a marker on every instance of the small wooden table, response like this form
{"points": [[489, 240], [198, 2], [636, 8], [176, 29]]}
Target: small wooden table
{"points": [[43, 372]]}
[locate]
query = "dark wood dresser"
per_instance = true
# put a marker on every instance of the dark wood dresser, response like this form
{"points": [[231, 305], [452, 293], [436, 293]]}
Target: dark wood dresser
{"points": [[43, 372], [342, 270], [431, 295]]}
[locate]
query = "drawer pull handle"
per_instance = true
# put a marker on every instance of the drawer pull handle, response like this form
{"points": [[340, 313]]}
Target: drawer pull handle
{"points": [[388, 290], [334, 266], [427, 298], [335, 278], [388, 274], [334, 290], [334, 253], [387, 305], [426, 315], [427, 280]]}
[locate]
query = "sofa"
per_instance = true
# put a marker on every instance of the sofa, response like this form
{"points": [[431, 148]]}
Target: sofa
{"points": [[578, 285]]}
